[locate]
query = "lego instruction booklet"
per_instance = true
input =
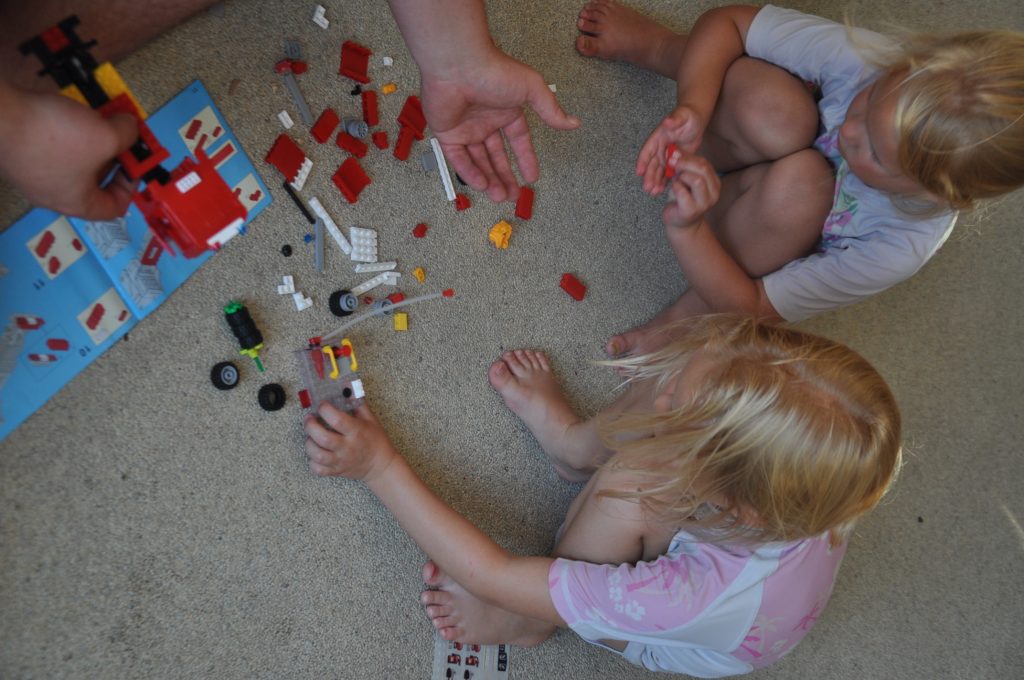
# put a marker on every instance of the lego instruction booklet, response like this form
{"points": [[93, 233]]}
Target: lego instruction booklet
{"points": [[70, 288]]}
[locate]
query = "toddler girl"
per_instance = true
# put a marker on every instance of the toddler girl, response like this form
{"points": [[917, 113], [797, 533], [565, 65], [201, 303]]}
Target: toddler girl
{"points": [[815, 206], [721, 486]]}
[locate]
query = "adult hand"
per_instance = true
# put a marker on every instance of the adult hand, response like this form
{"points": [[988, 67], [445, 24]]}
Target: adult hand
{"points": [[352, 445], [469, 109], [684, 128], [56, 152]]}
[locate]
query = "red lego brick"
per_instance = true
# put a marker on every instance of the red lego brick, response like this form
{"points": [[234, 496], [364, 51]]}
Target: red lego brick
{"points": [[351, 144], [420, 231], [380, 139], [291, 66], [134, 167], [571, 285], [286, 156], [395, 298], [354, 60], [524, 204], [412, 116], [462, 202], [370, 114], [404, 144], [325, 125], [304, 399], [54, 39], [350, 179], [448, 292]]}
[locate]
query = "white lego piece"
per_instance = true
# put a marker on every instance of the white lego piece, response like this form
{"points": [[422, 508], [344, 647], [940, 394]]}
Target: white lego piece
{"points": [[387, 61], [442, 167], [187, 182], [387, 278], [320, 17], [357, 389], [301, 301], [375, 267], [553, 87], [286, 120], [332, 228], [287, 287], [364, 244], [302, 174]]}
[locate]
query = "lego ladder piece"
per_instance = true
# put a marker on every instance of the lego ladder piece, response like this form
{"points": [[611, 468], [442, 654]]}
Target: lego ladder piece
{"points": [[351, 179], [354, 61]]}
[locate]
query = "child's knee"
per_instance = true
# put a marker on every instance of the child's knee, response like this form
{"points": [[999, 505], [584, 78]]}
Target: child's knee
{"points": [[800, 188]]}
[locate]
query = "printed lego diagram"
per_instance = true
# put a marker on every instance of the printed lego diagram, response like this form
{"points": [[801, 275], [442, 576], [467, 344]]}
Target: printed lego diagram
{"points": [[70, 288]]}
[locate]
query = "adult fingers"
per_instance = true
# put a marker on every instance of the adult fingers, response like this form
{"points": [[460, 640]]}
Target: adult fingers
{"points": [[482, 160], [463, 164], [495, 146], [518, 134]]}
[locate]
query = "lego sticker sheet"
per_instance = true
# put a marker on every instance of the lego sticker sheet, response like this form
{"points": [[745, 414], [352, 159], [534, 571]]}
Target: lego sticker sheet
{"points": [[70, 288]]}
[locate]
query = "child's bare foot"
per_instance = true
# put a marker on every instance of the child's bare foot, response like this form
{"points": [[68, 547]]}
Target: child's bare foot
{"points": [[525, 382], [461, 617], [656, 333], [612, 31]]}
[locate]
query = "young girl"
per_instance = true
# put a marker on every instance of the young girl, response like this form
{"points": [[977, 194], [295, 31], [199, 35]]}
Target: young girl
{"points": [[818, 205], [721, 487]]}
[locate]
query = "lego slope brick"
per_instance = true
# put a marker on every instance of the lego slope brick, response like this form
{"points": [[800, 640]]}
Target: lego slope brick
{"points": [[286, 156], [354, 60], [403, 146], [351, 144], [325, 125], [350, 179], [370, 113], [412, 116]]}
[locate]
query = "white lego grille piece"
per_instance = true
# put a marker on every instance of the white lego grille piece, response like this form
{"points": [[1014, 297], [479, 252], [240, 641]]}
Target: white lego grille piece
{"points": [[302, 174], [442, 166], [364, 244], [375, 267], [332, 228], [286, 120], [387, 278], [287, 286], [188, 182]]}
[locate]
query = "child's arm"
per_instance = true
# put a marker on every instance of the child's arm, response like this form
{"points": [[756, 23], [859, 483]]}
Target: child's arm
{"points": [[715, 42], [357, 447], [716, 277]]}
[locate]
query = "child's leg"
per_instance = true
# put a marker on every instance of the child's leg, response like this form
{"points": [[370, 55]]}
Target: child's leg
{"points": [[526, 383], [597, 529]]}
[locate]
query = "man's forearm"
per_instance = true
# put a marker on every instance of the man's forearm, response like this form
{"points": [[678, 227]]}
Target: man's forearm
{"points": [[443, 34]]}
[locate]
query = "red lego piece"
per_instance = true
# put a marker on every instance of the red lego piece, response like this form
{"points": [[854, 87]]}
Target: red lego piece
{"points": [[412, 116], [304, 398], [420, 231], [134, 167], [524, 204], [350, 179], [461, 202], [380, 139], [448, 292], [286, 156], [404, 144], [291, 66], [195, 208], [370, 114], [395, 298], [325, 125], [54, 39], [354, 60], [571, 285], [151, 255], [671, 158], [351, 144]]}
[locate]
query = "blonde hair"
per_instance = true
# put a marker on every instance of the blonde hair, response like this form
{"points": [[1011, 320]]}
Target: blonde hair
{"points": [[960, 113], [800, 435]]}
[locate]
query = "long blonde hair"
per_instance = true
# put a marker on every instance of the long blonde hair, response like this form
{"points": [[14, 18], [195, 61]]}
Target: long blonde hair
{"points": [[796, 432], [960, 112]]}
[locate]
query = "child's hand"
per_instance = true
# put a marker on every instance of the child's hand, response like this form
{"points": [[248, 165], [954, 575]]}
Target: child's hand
{"points": [[695, 190], [351, 445], [685, 130]]}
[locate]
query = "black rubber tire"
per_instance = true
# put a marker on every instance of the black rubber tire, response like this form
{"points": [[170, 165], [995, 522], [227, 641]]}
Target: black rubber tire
{"points": [[271, 397], [224, 375], [342, 303]]}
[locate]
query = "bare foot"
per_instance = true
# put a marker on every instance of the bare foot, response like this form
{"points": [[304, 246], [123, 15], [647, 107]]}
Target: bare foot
{"points": [[657, 332], [461, 617], [525, 382], [611, 31]]}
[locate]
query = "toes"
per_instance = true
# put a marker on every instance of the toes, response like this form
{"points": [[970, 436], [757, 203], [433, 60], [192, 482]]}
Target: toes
{"points": [[586, 45], [499, 375], [587, 25], [518, 363], [615, 347]]}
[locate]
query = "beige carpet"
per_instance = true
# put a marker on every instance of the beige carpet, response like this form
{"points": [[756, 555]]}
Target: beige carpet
{"points": [[154, 527]]}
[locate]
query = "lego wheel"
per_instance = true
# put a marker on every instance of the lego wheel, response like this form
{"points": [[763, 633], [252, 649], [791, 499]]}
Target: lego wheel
{"points": [[342, 303], [224, 375], [271, 397]]}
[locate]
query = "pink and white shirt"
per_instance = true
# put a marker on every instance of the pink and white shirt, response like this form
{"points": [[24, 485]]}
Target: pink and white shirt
{"points": [[702, 609]]}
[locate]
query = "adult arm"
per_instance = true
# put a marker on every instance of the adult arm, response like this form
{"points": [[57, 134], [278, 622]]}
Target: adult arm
{"points": [[473, 92]]}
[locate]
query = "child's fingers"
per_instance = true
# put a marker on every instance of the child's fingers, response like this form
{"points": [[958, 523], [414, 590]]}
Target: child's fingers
{"points": [[336, 419], [321, 435], [697, 186], [321, 461]]}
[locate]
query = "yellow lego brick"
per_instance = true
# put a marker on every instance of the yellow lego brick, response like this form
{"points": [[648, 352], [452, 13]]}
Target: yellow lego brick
{"points": [[420, 275], [112, 83], [500, 234], [401, 321], [72, 92], [388, 88]]}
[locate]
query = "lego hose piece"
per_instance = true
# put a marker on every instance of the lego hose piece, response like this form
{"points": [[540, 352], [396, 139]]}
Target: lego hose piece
{"points": [[380, 312]]}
